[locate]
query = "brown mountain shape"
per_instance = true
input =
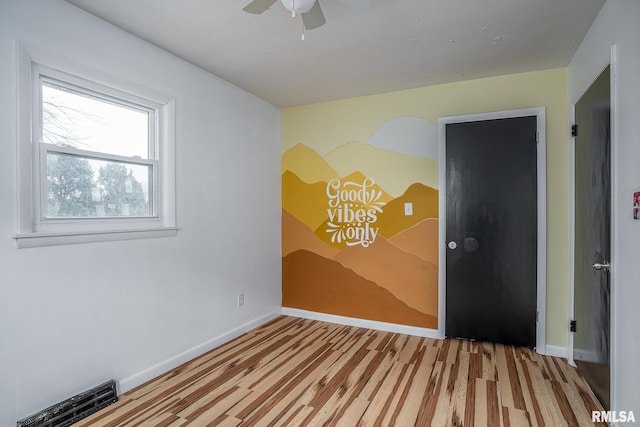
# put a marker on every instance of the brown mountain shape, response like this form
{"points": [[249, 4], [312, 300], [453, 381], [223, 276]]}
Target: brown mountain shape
{"points": [[420, 240], [311, 282], [411, 279], [296, 235], [306, 202], [392, 220]]}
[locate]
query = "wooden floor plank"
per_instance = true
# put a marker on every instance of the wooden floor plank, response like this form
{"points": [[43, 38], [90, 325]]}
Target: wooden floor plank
{"points": [[442, 405], [492, 402], [353, 413], [407, 413], [531, 403], [382, 395], [294, 417], [458, 394], [489, 368], [515, 417], [583, 417], [481, 413], [544, 395], [296, 372]]}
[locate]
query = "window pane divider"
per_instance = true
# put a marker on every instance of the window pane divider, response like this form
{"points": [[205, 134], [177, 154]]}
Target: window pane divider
{"points": [[52, 148]]}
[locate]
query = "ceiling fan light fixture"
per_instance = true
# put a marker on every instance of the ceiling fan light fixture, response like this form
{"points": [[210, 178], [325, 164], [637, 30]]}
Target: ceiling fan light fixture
{"points": [[298, 6]]}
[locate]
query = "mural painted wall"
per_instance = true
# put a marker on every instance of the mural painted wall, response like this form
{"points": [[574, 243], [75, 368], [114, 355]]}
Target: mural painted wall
{"points": [[330, 129], [349, 247]]}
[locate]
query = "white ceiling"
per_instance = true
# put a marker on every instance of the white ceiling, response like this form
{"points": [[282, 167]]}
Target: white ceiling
{"points": [[389, 45]]}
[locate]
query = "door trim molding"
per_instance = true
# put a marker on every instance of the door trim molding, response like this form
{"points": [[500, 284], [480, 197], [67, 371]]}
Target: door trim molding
{"points": [[540, 114]]}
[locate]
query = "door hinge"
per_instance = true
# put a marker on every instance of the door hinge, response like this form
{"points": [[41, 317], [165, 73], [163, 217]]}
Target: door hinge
{"points": [[572, 326], [537, 316], [537, 137], [574, 130]]}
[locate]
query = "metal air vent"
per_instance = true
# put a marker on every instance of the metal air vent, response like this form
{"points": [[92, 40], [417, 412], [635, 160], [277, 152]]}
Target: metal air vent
{"points": [[74, 408]]}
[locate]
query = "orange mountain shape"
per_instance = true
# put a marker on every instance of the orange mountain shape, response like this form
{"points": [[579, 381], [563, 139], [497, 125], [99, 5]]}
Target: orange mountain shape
{"points": [[420, 240], [409, 278], [424, 200], [311, 282], [306, 202], [296, 235]]}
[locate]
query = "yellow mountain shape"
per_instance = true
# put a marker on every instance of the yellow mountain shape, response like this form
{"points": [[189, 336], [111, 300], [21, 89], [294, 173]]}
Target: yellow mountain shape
{"points": [[359, 177], [411, 279], [391, 170], [420, 240], [392, 220], [296, 235], [308, 165], [306, 202]]}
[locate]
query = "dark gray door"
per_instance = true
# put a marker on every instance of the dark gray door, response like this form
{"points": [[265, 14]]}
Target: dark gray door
{"points": [[593, 236], [491, 231]]}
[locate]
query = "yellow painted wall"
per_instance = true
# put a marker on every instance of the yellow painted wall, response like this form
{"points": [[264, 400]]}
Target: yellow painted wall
{"points": [[326, 126]]}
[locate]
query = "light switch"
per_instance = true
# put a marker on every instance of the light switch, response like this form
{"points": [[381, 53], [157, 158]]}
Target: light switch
{"points": [[408, 209]]}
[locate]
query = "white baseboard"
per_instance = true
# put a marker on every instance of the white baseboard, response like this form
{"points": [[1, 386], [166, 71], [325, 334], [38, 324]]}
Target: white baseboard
{"points": [[556, 351], [362, 323], [158, 369]]}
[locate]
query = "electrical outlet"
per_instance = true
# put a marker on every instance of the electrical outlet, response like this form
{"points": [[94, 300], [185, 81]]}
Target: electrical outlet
{"points": [[240, 299]]}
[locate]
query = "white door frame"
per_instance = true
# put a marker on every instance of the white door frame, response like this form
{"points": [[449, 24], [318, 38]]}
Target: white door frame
{"points": [[613, 64], [540, 114]]}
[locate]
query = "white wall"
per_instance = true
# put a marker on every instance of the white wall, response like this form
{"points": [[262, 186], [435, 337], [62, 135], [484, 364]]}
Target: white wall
{"points": [[74, 316], [619, 24]]}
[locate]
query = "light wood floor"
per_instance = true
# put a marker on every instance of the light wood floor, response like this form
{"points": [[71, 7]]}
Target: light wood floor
{"points": [[297, 372]]}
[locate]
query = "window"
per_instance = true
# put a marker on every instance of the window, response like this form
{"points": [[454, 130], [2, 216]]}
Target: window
{"points": [[100, 158], [97, 153]]}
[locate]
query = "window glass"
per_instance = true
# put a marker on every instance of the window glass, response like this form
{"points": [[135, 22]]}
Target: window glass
{"points": [[78, 119], [86, 187]]}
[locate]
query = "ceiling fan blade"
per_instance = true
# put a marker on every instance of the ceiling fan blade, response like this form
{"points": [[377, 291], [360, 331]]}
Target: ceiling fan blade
{"points": [[258, 6], [314, 18]]}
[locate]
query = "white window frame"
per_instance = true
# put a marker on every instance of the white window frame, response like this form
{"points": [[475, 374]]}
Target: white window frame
{"points": [[33, 228]]}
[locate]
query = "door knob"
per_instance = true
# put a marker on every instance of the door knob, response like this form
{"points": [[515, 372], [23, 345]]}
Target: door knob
{"points": [[602, 266], [470, 244], [452, 245]]}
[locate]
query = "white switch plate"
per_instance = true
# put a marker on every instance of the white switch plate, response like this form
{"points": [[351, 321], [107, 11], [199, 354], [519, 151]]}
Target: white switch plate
{"points": [[408, 209]]}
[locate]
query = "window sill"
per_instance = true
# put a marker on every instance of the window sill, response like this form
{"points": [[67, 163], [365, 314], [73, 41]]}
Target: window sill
{"points": [[34, 240]]}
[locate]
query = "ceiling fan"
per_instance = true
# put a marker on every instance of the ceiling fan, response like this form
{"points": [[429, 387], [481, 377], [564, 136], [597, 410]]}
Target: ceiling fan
{"points": [[310, 10]]}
